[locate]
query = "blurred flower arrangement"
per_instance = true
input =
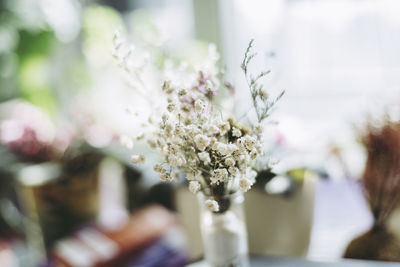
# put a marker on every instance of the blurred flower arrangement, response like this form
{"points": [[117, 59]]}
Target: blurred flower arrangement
{"points": [[28, 133], [381, 180], [195, 135]]}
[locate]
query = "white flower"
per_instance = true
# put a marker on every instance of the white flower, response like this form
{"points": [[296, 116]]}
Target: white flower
{"points": [[169, 126], [229, 162], [194, 176], [205, 157], [245, 184], [171, 107], [241, 145], [233, 170], [244, 159], [179, 130], [152, 143], [213, 129], [222, 148], [251, 175], [263, 94], [253, 154], [182, 92], [232, 148], [213, 141], [236, 132], [164, 117], [126, 141], [250, 142], [202, 118], [194, 187], [138, 159], [165, 177], [201, 141], [258, 129], [215, 145], [158, 168], [174, 176], [259, 149], [199, 106], [224, 126], [212, 205], [219, 175], [140, 136], [176, 160]]}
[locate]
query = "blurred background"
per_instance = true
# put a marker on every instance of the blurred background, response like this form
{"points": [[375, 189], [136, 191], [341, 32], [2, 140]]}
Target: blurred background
{"points": [[65, 177]]}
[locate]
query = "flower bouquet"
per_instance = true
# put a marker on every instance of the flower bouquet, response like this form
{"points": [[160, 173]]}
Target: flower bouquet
{"points": [[214, 152]]}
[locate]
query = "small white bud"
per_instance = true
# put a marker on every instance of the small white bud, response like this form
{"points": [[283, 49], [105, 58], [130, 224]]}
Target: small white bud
{"points": [[194, 187], [212, 205], [138, 159]]}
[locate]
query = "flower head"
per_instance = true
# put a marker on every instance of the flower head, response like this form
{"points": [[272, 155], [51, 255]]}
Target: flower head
{"points": [[212, 205], [194, 187], [201, 141], [138, 159], [245, 184]]}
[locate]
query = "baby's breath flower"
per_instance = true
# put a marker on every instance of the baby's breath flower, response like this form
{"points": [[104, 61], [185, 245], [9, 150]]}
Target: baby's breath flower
{"points": [[176, 160], [250, 142], [164, 117], [199, 106], [171, 107], [236, 132], [204, 157], [158, 168], [202, 118], [182, 92], [194, 175], [165, 177], [224, 127], [244, 184], [229, 162], [212, 205], [179, 130], [258, 129], [201, 141], [251, 175], [259, 149], [169, 126], [126, 141], [244, 159], [194, 187], [213, 129], [219, 176], [140, 137], [231, 148], [151, 143], [138, 159], [223, 149], [233, 170], [263, 94], [174, 176], [253, 154]]}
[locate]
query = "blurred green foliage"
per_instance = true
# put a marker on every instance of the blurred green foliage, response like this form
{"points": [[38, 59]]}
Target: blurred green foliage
{"points": [[34, 72]]}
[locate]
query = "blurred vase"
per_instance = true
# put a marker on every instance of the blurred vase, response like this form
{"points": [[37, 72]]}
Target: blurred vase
{"points": [[224, 232], [377, 244], [56, 202]]}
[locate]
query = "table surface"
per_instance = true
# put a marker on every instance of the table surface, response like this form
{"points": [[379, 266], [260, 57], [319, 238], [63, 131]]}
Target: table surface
{"points": [[291, 262]]}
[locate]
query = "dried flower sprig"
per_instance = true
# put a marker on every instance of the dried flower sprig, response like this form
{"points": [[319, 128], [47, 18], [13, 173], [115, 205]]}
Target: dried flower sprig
{"points": [[381, 176], [261, 100]]}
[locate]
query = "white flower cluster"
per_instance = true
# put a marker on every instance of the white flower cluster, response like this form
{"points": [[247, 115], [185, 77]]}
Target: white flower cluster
{"points": [[215, 154], [193, 138]]}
